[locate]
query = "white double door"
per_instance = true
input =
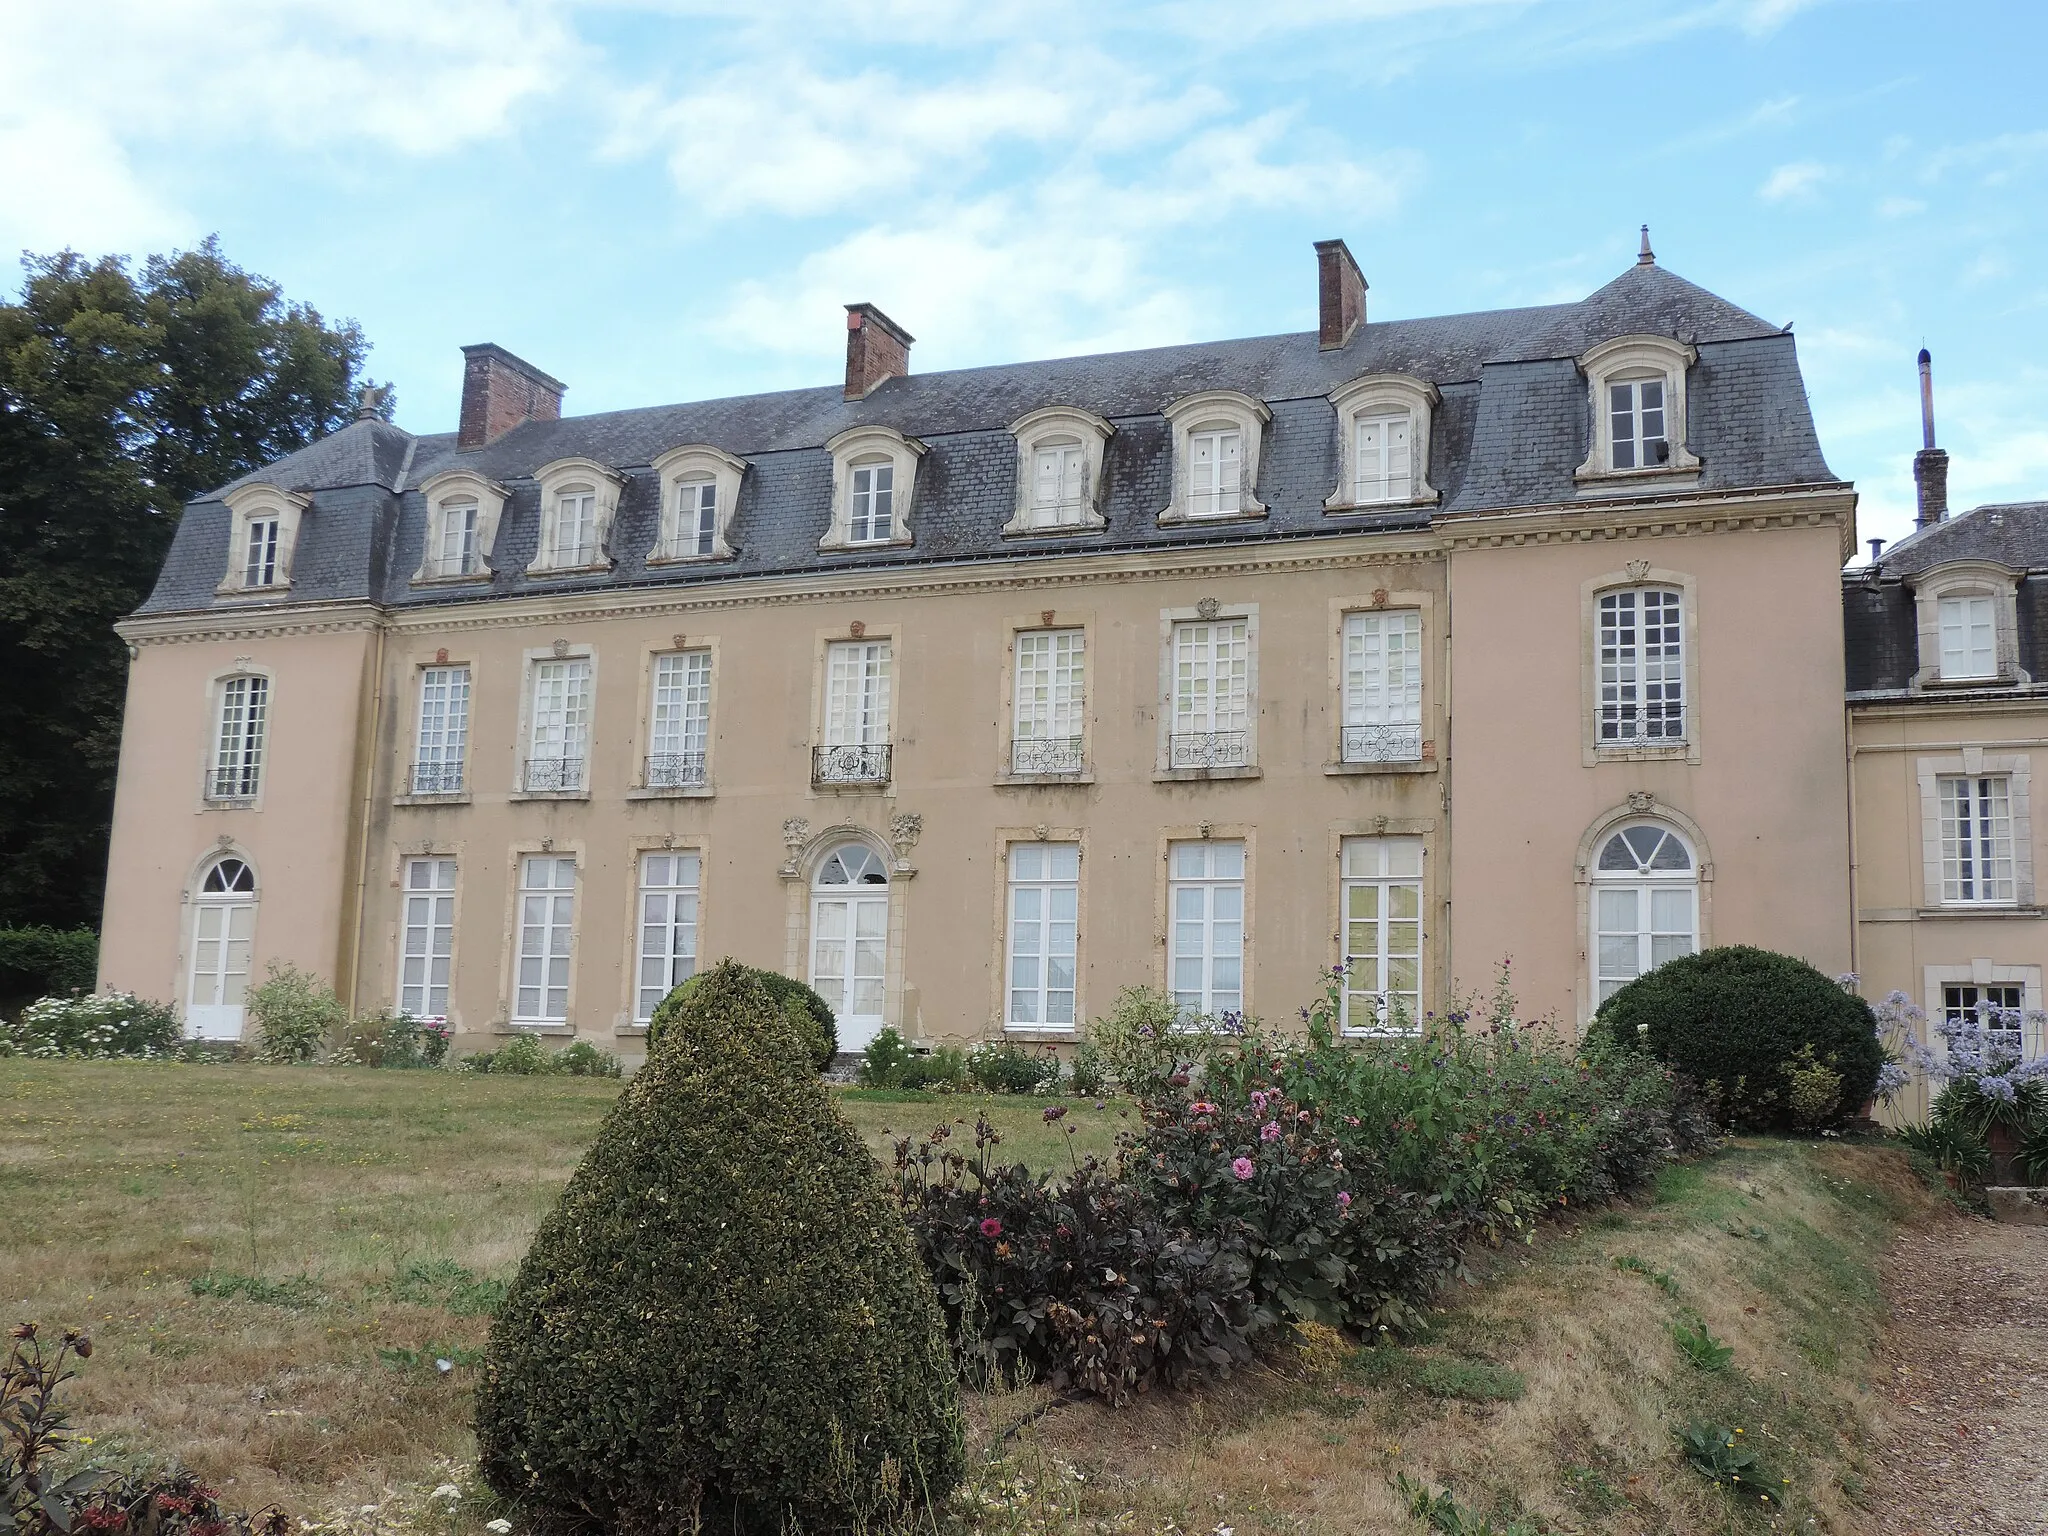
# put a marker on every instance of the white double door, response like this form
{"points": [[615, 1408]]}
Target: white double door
{"points": [[849, 962], [221, 936]]}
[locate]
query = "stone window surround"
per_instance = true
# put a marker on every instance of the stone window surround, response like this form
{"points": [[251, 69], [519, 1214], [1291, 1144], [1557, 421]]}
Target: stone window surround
{"points": [[2018, 768], [1383, 394], [209, 742], [401, 854], [1637, 357], [1380, 600], [456, 486], [508, 973], [806, 851], [1207, 611], [414, 666], [858, 444], [1046, 425], [529, 658], [695, 460], [1983, 973], [553, 478], [1640, 807], [247, 504], [1216, 407], [644, 729], [1966, 578], [1162, 899], [822, 641], [1024, 623], [1638, 573], [226, 847], [1421, 827], [999, 1002], [623, 1023]]}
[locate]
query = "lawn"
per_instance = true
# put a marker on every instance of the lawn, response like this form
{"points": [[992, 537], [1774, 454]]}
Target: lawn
{"points": [[272, 1259]]}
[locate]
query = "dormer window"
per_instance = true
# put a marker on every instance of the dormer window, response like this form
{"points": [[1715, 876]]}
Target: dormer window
{"points": [[1969, 637], [1968, 624], [1059, 471], [264, 528], [1637, 386], [700, 491], [462, 522], [1383, 423], [578, 499], [260, 570], [1216, 438], [874, 479]]}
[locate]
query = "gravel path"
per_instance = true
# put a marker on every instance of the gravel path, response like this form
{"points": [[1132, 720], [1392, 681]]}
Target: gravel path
{"points": [[1967, 1400]]}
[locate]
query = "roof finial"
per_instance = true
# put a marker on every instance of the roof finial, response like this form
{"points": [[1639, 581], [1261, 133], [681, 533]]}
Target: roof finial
{"points": [[1646, 257]]}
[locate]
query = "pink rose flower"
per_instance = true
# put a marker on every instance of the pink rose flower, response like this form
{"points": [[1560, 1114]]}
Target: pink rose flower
{"points": [[1270, 1131], [1242, 1168], [991, 1227]]}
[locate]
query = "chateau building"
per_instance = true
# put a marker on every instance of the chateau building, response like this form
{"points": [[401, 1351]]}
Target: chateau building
{"points": [[975, 697]]}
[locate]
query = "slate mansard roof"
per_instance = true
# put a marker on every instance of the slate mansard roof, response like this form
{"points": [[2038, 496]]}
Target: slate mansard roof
{"points": [[1511, 429]]}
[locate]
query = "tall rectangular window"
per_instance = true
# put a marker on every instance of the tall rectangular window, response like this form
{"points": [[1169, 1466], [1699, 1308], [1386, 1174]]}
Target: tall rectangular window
{"points": [[576, 528], [857, 693], [1382, 904], [444, 730], [1211, 695], [680, 721], [1059, 484], [427, 944], [238, 745], [1214, 472], [1383, 687], [1642, 666], [259, 568], [697, 519], [1045, 901], [547, 935], [1999, 1007], [457, 555], [668, 927], [1976, 839], [1384, 469], [871, 517], [560, 737], [1969, 637], [1046, 733], [1205, 897], [1635, 412]]}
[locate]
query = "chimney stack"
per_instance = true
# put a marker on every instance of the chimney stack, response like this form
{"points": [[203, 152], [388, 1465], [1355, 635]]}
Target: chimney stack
{"points": [[1930, 464], [500, 392], [1340, 295], [877, 348]]}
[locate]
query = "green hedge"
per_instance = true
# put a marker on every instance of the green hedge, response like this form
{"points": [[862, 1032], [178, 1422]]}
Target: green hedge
{"points": [[807, 1012], [723, 1320], [47, 962]]}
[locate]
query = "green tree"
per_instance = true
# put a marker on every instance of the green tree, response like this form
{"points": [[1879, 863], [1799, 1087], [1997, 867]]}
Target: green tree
{"points": [[122, 396]]}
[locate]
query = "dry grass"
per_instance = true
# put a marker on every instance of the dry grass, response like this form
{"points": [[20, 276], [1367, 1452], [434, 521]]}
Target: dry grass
{"points": [[302, 1200]]}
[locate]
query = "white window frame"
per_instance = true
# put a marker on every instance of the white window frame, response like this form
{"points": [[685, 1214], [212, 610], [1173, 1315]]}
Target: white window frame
{"points": [[1644, 886], [1062, 428], [426, 933], [1978, 863], [441, 736], [252, 505], [668, 913], [1208, 695], [1967, 581], [259, 565], [859, 684], [1632, 360], [679, 719], [1594, 668], [1049, 703], [683, 474], [1940, 877], [444, 494], [869, 448], [1637, 676], [1381, 650], [238, 754], [1936, 979], [1202, 906], [1042, 909], [561, 482], [1214, 411], [1968, 627], [1390, 870], [1378, 396], [559, 730], [545, 930]]}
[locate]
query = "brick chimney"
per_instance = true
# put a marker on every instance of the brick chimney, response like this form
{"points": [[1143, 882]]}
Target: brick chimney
{"points": [[1340, 294], [877, 348], [500, 392], [1930, 464]]}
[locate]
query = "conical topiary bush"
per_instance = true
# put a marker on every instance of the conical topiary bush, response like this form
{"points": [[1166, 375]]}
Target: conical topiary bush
{"points": [[723, 1319]]}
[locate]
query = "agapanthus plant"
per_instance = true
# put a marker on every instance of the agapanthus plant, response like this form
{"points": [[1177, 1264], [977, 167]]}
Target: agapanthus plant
{"points": [[1988, 1081]]}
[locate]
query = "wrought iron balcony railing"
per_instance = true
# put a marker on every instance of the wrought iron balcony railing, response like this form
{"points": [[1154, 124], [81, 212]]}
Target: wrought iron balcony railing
{"points": [[1045, 754], [1209, 749], [545, 774], [675, 770], [851, 764], [1382, 743], [232, 784], [437, 778]]}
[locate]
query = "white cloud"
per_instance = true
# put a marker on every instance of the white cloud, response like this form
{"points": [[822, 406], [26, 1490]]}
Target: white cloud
{"points": [[1792, 181], [1899, 207]]}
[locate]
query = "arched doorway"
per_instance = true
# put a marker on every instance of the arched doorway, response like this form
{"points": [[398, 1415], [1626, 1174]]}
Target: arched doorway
{"points": [[850, 940], [223, 929], [1646, 904]]}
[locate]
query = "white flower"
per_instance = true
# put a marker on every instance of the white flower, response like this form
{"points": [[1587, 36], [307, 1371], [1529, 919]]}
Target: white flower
{"points": [[501, 1527], [446, 1491]]}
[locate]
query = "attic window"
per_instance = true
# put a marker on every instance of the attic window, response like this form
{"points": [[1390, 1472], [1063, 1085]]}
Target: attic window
{"points": [[1636, 386], [462, 524], [1635, 414], [1059, 471], [578, 500], [1216, 442], [874, 486], [1383, 424], [263, 532], [700, 491]]}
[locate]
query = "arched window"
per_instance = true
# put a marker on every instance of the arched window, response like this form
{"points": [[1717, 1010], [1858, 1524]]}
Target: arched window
{"points": [[1646, 904], [229, 877], [223, 931], [850, 940]]}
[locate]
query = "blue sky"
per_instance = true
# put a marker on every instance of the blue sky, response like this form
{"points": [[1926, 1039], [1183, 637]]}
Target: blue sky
{"points": [[667, 201]]}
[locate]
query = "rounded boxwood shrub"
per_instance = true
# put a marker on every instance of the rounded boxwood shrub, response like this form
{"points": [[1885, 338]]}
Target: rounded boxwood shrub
{"points": [[723, 1320], [808, 1013], [1758, 1029]]}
